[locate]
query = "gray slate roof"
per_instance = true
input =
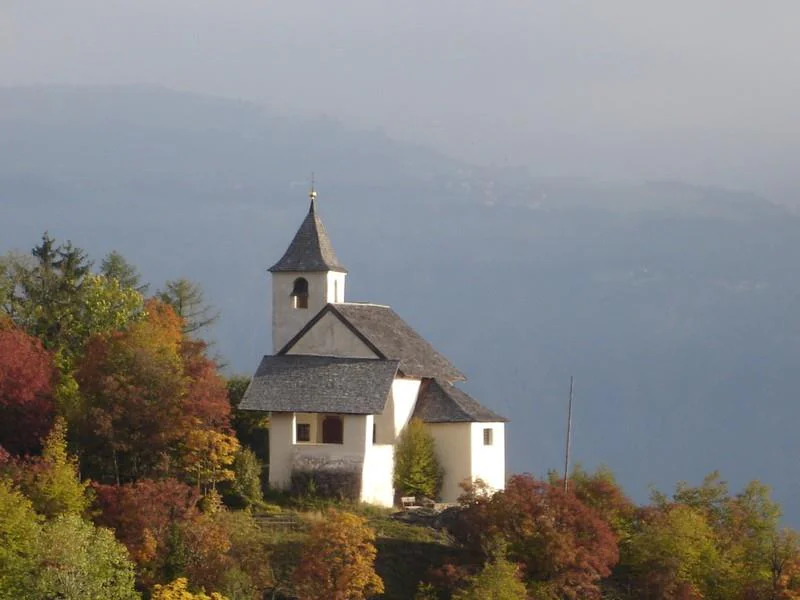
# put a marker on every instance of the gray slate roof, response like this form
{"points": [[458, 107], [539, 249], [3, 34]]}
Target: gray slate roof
{"points": [[389, 337], [311, 248], [440, 402], [302, 383]]}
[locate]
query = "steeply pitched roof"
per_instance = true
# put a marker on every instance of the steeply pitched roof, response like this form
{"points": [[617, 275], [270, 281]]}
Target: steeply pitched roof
{"points": [[311, 248], [302, 383], [382, 329], [440, 402]]}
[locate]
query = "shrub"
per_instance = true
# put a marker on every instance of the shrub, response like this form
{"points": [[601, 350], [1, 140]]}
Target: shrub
{"points": [[246, 485], [337, 484]]}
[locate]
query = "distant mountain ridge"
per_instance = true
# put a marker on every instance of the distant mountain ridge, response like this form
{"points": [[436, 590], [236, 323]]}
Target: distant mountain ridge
{"points": [[673, 305]]}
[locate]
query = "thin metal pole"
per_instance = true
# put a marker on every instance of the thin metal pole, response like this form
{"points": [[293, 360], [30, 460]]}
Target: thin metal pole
{"points": [[569, 436]]}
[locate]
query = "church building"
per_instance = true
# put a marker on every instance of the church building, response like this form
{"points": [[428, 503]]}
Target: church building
{"points": [[345, 378]]}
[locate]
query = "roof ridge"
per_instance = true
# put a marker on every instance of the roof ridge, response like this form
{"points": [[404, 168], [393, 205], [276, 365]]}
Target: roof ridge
{"points": [[364, 303]]}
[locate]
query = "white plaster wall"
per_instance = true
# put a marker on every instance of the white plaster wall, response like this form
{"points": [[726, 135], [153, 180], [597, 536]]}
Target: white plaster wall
{"points": [[404, 398], [355, 433], [281, 441], [489, 462], [330, 337], [287, 321], [453, 447], [384, 423], [376, 484], [335, 287]]}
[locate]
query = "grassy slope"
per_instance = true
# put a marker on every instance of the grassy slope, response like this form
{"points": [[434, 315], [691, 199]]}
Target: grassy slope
{"points": [[406, 552]]}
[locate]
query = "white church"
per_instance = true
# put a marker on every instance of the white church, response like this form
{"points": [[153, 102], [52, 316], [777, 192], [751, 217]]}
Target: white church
{"points": [[345, 378]]}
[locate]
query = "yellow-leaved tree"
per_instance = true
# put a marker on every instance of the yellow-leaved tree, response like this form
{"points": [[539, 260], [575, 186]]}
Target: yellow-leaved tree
{"points": [[208, 457], [179, 590], [338, 560]]}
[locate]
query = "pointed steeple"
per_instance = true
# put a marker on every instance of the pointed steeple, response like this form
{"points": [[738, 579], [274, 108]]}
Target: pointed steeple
{"points": [[311, 249]]}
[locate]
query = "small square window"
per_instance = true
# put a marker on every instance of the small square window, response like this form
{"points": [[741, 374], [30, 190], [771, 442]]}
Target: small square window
{"points": [[303, 432], [487, 436]]}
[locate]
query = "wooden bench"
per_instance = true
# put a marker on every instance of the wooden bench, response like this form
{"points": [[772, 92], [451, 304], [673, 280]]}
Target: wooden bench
{"points": [[408, 501]]}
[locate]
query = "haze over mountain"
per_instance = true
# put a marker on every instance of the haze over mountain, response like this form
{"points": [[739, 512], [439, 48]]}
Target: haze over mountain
{"points": [[673, 305], [698, 91]]}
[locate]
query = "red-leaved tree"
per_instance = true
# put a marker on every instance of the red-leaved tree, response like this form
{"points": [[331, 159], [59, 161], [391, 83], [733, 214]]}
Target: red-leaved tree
{"points": [[144, 516], [564, 547], [26, 385]]}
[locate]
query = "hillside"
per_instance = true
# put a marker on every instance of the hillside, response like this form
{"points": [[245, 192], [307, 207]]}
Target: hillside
{"points": [[674, 306]]}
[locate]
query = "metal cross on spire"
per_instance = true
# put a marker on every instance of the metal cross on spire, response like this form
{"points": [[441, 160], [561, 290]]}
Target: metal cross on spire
{"points": [[313, 193]]}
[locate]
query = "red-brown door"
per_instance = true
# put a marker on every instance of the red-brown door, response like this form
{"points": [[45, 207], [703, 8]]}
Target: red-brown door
{"points": [[332, 430]]}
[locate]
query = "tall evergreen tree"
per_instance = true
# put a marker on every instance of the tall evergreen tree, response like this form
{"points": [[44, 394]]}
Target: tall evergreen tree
{"points": [[115, 266]]}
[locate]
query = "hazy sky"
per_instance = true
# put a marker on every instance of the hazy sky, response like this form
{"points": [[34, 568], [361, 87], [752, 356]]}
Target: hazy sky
{"points": [[696, 90]]}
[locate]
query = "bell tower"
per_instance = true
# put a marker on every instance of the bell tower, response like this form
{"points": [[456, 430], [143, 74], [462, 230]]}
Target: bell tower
{"points": [[306, 278]]}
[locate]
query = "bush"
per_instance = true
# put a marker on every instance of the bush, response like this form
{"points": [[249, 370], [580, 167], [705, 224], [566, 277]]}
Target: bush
{"points": [[499, 580], [246, 484]]}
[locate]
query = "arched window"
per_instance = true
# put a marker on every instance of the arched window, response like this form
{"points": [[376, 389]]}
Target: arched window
{"points": [[300, 293]]}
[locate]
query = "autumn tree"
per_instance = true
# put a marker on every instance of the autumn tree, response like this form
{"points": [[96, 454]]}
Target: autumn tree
{"points": [[417, 471], [188, 301], [19, 540], [52, 481], [600, 491], [208, 457], [26, 385], [565, 548], [79, 561], [145, 517], [134, 388], [675, 554], [64, 557], [337, 561], [498, 580], [179, 590]]}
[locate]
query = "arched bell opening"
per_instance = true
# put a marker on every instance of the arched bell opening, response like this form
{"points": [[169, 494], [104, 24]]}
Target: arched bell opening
{"points": [[300, 293]]}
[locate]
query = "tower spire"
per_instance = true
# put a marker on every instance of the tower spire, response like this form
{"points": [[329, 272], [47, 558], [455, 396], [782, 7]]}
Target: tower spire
{"points": [[311, 249]]}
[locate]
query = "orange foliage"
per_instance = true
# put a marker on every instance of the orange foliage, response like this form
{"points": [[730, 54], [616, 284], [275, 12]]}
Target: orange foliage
{"points": [[147, 387], [338, 559], [142, 514]]}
